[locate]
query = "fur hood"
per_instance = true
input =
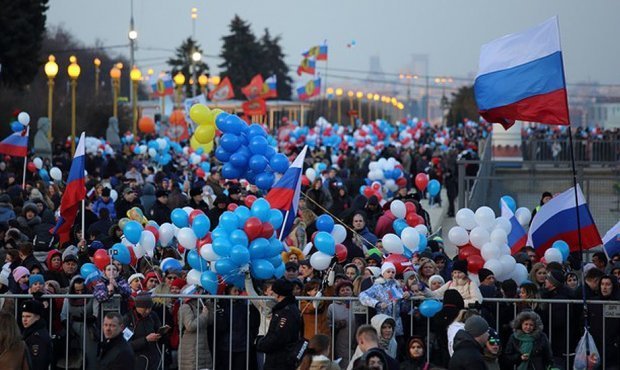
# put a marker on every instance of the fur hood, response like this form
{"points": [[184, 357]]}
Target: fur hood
{"points": [[528, 315]]}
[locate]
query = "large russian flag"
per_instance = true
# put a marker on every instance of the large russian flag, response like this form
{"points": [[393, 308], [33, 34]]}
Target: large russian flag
{"points": [[521, 77], [611, 241], [74, 194], [16, 144], [557, 220], [517, 238], [284, 195]]}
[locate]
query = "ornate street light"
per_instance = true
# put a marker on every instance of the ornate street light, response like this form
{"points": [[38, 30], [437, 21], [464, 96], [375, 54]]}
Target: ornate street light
{"points": [[74, 72], [115, 75], [136, 77], [97, 64], [179, 80], [51, 70]]}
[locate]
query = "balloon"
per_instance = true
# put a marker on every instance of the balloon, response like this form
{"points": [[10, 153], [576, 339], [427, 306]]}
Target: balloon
{"points": [[38, 163], [433, 187], [23, 118], [422, 229], [147, 242], [465, 218], [478, 236], [249, 200], [311, 174], [179, 218], [193, 277], [276, 218], [341, 253], [196, 261], [398, 209], [400, 262], [320, 261], [411, 208], [31, 167], [56, 173], [458, 236], [504, 224], [495, 266], [339, 233], [523, 215], [87, 269], [261, 269], [553, 255], [207, 252], [267, 231], [510, 202], [187, 238], [520, 274], [422, 244], [120, 253], [259, 248], [146, 125], [508, 264], [17, 127], [229, 221], [410, 238], [468, 251], [275, 248], [430, 307], [499, 237], [412, 219], [133, 231], [101, 259], [325, 223], [279, 163], [421, 181], [238, 237], [225, 266], [258, 163], [193, 215], [208, 281], [253, 227], [260, 208], [239, 255], [489, 251], [485, 217], [325, 243], [563, 247], [392, 244], [474, 263], [199, 113], [166, 233]]}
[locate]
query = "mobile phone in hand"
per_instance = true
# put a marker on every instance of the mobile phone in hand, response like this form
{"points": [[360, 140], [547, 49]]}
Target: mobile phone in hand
{"points": [[163, 330]]}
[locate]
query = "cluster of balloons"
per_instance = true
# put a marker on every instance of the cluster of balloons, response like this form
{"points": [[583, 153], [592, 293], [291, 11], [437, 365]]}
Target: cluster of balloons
{"points": [[36, 166], [159, 150], [410, 232], [205, 132], [328, 241], [23, 120], [423, 183], [248, 152], [384, 178], [93, 145], [558, 252]]}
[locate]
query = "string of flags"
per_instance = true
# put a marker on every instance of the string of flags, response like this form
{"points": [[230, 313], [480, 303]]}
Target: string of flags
{"points": [[312, 87]]}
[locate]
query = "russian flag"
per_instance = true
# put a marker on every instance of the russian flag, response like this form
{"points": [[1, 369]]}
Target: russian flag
{"points": [[162, 86], [517, 238], [557, 220], [284, 195], [307, 65], [310, 89], [74, 194], [16, 144], [611, 241], [270, 88], [521, 77]]}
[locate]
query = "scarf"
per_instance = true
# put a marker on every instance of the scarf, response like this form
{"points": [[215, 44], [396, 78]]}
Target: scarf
{"points": [[384, 344], [526, 346]]}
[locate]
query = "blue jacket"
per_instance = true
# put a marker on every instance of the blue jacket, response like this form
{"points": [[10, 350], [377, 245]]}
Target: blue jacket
{"points": [[99, 204]]}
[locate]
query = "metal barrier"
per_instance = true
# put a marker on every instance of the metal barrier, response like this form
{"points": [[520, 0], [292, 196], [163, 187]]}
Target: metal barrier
{"points": [[498, 311], [548, 150]]}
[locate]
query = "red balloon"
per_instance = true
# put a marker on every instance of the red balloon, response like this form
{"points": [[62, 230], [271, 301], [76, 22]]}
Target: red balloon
{"points": [[180, 249], [400, 262], [401, 182], [267, 230], [421, 180], [305, 181], [412, 219], [31, 167], [368, 192], [193, 214], [420, 220], [475, 263], [249, 200], [468, 251], [253, 228], [378, 195], [134, 259], [232, 206], [153, 230], [410, 207], [101, 259], [341, 253], [200, 172], [376, 186]]}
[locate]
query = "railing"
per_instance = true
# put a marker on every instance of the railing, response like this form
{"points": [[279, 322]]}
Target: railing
{"points": [[548, 150], [499, 313]]}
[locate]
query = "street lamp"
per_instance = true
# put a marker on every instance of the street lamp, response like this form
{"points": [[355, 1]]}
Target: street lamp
{"points": [[179, 80], [351, 94], [115, 75], [376, 98], [339, 93], [74, 72], [203, 81], [136, 77], [97, 64], [196, 57], [51, 70], [215, 80], [369, 99], [359, 95], [329, 94]]}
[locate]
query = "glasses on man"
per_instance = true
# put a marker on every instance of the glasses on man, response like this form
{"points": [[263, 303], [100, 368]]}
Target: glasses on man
{"points": [[493, 341]]}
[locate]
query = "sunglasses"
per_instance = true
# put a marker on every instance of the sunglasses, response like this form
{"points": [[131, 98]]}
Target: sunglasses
{"points": [[494, 341]]}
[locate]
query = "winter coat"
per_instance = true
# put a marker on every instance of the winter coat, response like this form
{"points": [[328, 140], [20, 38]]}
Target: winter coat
{"points": [[391, 347], [284, 332], [385, 291], [74, 310], [160, 213], [224, 335], [264, 306], [411, 364], [148, 198], [147, 354], [15, 358], [193, 327], [356, 246], [99, 204], [314, 314], [115, 354], [6, 213], [39, 344], [101, 294], [320, 196], [341, 320], [468, 290], [27, 226], [122, 206], [467, 353], [541, 356], [611, 340], [558, 321]]}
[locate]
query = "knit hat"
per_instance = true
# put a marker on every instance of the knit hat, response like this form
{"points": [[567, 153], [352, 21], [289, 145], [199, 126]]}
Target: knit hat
{"points": [[178, 283], [386, 266], [407, 274], [143, 300], [152, 275], [33, 306], [282, 287], [161, 193], [436, 277], [452, 298], [460, 265], [556, 278], [476, 326], [341, 285], [54, 284], [374, 270], [484, 273], [70, 257], [134, 277], [36, 278], [19, 272], [195, 191], [105, 192], [4, 275]]}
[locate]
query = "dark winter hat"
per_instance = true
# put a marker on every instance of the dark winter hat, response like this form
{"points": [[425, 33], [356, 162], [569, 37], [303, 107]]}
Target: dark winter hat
{"points": [[36, 278], [556, 278], [452, 298], [105, 192], [195, 191], [291, 266], [460, 265], [484, 273], [373, 200], [70, 257], [143, 300], [161, 193], [128, 190], [476, 326], [5, 198], [234, 189], [282, 287], [33, 306]]}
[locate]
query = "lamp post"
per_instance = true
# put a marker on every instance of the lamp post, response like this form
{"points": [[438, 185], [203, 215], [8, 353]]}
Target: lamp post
{"points": [[339, 93], [136, 77], [351, 94], [203, 81], [196, 57], [51, 70], [369, 99], [329, 94], [115, 76], [74, 72], [133, 36], [359, 95], [376, 98], [179, 80], [97, 64]]}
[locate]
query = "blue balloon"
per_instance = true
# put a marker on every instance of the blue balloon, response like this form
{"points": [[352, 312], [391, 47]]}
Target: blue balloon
{"points": [[259, 248], [276, 218], [433, 187], [261, 269], [265, 180], [278, 272], [563, 247], [258, 163], [120, 253], [17, 127], [225, 266], [256, 130], [87, 269], [235, 125], [269, 151], [275, 248], [219, 233], [510, 202], [422, 244], [362, 188], [275, 260], [258, 145], [221, 246], [220, 119], [231, 172], [396, 173], [229, 221], [325, 243], [430, 307], [239, 160], [230, 142], [279, 163], [243, 213], [170, 264], [201, 225], [399, 225], [208, 281], [261, 209], [325, 223], [133, 231], [238, 237], [321, 167], [195, 261], [179, 218], [44, 174], [239, 255], [222, 155]]}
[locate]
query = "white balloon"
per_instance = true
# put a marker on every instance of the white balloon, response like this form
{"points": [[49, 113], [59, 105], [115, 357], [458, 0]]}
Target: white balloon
{"points": [[113, 195], [478, 236], [187, 238], [489, 252], [504, 250], [152, 152], [207, 252], [139, 251], [508, 265], [519, 274], [147, 241], [193, 277], [495, 266], [320, 261], [38, 163], [161, 143], [553, 255], [144, 149], [422, 229], [398, 208], [465, 218], [23, 118], [311, 174], [56, 173], [166, 233], [339, 233], [484, 216], [523, 215], [372, 166], [392, 243], [195, 158], [411, 238], [188, 210], [499, 237], [458, 236], [504, 224], [391, 185]]}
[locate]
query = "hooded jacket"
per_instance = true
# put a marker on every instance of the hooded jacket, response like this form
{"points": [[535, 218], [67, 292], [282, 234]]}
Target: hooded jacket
{"points": [[377, 322], [383, 291], [541, 356], [467, 353]]}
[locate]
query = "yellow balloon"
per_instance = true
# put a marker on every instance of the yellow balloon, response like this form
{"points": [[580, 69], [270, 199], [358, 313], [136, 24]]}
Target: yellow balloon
{"points": [[199, 113], [207, 148], [193, 142], [212, 117], [204, 133]]}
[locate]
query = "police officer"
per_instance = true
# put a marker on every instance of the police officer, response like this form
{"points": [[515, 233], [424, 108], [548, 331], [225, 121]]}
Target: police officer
{"points": [[283, 337], [35, 334]]}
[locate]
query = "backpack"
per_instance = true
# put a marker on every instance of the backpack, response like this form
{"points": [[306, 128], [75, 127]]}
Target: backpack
{"points": [[43, 239]]}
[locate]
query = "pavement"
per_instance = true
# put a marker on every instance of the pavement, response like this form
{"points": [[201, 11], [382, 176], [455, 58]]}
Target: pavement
{"points": [[441, 223]]}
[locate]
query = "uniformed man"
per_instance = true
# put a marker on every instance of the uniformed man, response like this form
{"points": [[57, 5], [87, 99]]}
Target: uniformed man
{"points": [[35, 335], [283, 337]]}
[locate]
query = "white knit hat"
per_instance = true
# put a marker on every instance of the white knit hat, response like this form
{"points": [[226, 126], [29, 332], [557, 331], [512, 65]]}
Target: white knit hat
{"points": [[386, 266], [134, 277], [436, 277], [374, 270]]}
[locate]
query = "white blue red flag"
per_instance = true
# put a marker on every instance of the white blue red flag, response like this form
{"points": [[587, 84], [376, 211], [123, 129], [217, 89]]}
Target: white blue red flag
{"points": [[517, 238], [557, 220], [16, 144], [521, 77], [75, 192], [284, 195], [611, 241]]}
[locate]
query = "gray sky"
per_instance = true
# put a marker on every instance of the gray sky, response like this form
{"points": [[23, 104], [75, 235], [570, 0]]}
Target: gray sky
{"points": [[450, 32]]}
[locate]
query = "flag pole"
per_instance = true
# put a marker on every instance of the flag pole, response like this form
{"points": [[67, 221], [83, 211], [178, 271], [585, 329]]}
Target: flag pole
{"points": [[83, 219], [24, 177]]}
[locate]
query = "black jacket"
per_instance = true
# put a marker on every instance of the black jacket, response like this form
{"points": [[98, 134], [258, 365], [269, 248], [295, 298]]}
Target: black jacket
{"points": [[467, 353], [39, 345], [160, 213], [122, 206], [147, 354], [115, 354], [540, 358], [284, 333]]}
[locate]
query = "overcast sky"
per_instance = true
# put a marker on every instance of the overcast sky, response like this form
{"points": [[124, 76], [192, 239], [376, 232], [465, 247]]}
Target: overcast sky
{"points": [[449, 32]]}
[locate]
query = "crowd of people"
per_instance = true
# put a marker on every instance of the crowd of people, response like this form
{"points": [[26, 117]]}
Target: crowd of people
{"points": [[362, 313]]}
